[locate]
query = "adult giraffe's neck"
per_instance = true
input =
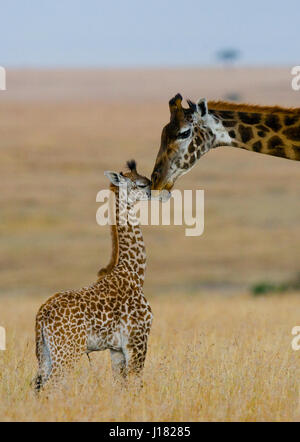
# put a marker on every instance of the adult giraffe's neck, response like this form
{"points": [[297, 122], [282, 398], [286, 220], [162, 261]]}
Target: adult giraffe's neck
{"points": [[269, 130], [128, 248]]}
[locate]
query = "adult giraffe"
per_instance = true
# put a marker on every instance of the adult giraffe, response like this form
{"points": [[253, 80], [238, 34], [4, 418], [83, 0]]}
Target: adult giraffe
{"points": [[203, 126]]}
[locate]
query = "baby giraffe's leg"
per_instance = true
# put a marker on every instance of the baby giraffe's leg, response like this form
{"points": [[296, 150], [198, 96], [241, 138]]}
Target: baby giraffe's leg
{"points": [[57, 356], [135, 361], [118, 365], [63, 362]]}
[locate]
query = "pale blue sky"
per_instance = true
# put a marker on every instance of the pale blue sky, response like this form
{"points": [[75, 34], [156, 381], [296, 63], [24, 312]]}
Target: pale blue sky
{"points": [[83, 33]]}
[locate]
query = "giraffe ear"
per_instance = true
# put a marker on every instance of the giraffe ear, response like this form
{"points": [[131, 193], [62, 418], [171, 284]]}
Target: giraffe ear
{"points": [[117, 179], [202, 107]]}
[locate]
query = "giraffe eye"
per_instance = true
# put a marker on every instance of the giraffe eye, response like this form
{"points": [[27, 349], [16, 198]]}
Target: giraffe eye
{"points": [[184, 134]]}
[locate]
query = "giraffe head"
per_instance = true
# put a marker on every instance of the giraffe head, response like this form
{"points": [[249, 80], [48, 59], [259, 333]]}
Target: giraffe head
{"points": [[190, 133], [138, 187]]}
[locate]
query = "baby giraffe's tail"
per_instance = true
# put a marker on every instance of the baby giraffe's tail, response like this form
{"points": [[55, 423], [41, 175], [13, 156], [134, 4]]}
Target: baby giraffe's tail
{"points": [[43, 356]]}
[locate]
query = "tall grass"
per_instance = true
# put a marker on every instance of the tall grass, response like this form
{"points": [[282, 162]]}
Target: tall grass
{"points": [[209, 358]]}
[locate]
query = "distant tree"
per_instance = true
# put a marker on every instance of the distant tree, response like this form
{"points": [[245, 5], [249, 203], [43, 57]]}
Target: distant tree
{"points": [[228, 55]]}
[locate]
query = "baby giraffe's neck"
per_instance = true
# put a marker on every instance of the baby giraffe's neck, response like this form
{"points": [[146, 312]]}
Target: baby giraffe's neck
{"points": [[269, 130], [128, 248]]}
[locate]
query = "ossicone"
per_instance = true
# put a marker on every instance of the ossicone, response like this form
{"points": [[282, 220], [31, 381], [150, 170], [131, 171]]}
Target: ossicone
{"points": [[192, 105], [131, 164]]}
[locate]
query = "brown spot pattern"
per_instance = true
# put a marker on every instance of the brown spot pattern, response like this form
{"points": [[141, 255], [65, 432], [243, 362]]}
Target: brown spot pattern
{"points": [[110, 314]]}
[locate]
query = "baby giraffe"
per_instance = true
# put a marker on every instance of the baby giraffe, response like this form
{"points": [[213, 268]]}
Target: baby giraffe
{"points": [[110, 314]]}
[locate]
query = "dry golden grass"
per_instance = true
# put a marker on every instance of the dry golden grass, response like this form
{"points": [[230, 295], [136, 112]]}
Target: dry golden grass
{"points": [[210, 358]]}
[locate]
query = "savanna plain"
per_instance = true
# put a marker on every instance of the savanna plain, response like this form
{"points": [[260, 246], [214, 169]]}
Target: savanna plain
{"points": [[216, 351]]}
